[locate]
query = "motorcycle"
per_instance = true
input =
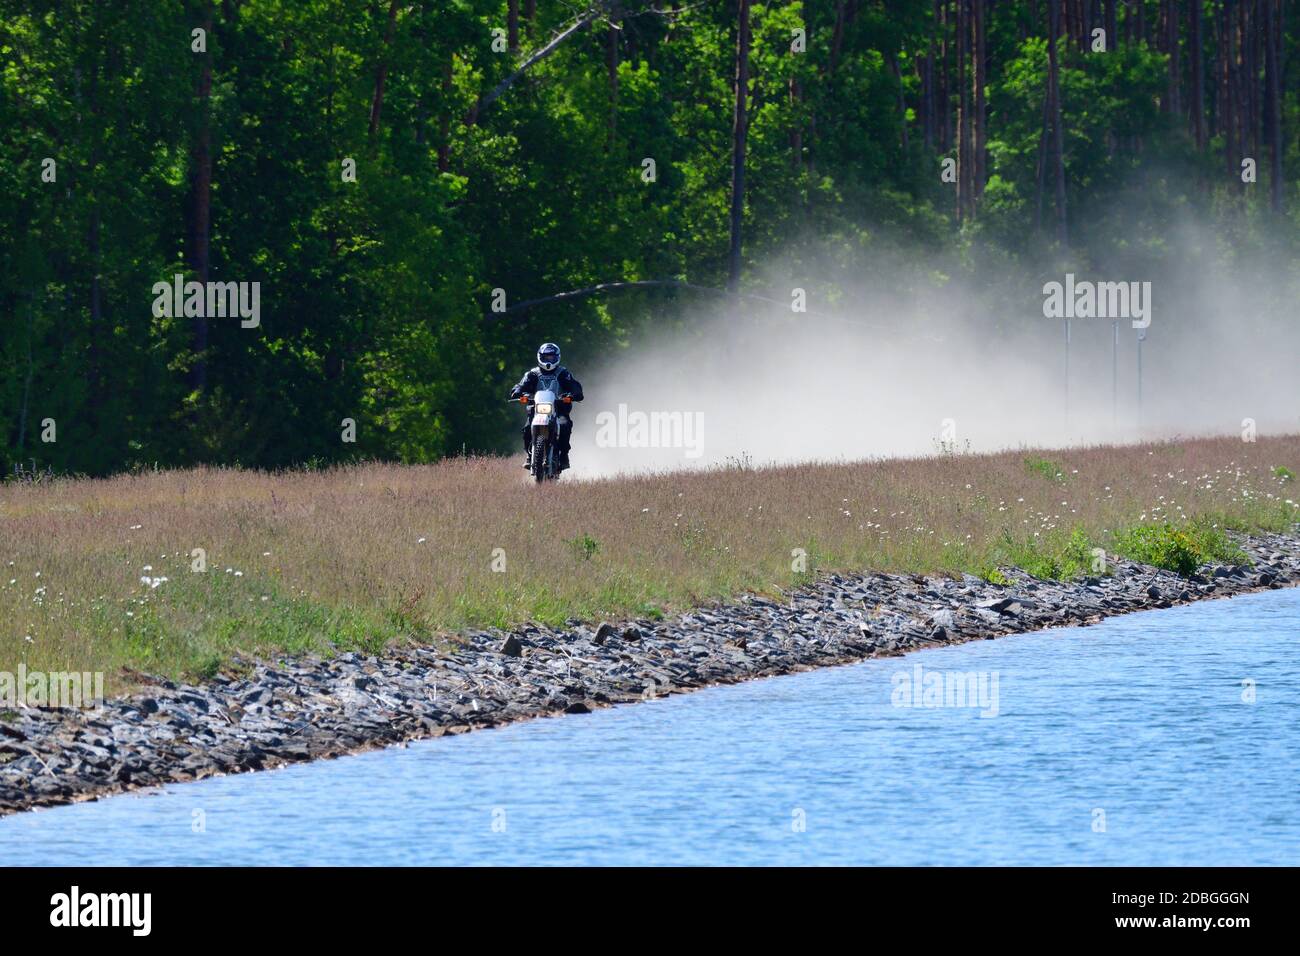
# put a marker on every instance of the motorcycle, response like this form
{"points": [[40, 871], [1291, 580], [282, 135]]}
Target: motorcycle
{"points": [[545, 432]]}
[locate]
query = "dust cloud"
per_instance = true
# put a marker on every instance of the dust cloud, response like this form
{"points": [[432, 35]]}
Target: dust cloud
{"points": [[906, 360]]}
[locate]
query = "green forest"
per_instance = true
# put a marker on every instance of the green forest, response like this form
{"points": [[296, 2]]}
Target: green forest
{"points": [[405, 180]]}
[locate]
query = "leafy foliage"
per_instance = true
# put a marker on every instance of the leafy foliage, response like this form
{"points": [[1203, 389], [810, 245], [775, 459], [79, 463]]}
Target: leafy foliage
{"points": [[1045, 468], [1180, 548], [376, 294]]}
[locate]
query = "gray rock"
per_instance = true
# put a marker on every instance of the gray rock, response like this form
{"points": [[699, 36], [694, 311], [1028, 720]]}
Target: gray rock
{"points": [[1000, 605], [258, 695], [299, 709], [943, 618]]}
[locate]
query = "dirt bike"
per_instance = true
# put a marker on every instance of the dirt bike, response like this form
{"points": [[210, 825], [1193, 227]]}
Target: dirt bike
{"points": [[545, 408]]}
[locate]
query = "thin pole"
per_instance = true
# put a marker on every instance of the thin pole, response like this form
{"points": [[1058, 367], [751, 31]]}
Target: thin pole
{"points": [[1067, 375], [1114, 373], [1142, 337]]}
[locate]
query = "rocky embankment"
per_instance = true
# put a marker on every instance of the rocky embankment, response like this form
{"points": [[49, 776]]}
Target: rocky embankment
{"points": [[302, 709]]}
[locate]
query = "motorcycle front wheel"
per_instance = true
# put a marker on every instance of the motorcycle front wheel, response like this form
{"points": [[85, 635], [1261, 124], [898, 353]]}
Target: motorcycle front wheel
{"points": [[539, 459]]}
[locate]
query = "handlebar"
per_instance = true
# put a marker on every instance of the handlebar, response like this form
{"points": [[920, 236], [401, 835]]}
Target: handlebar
{"points": [[525, 400]]}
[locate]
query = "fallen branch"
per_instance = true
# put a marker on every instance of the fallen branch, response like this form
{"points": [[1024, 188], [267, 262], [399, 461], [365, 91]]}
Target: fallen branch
{"points": [[575, 294], [582, 22]]}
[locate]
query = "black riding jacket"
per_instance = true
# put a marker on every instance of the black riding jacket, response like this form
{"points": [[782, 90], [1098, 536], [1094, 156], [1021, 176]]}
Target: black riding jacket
{"points": [[561, 382]]}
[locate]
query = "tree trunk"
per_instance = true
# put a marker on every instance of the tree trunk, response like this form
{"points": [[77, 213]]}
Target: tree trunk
{"points": [[96, 397], [381, 71], [740, 132], [27, 379], [200, 205], [980, 166], [1041, 170], [902, 101], [1174, 85], [1242, 83], [444, 120], [837, 35], [1226, 113], [963, 112], [796, 132], [927, 85], [611, 69], [1273, 98], [95, 372], [945, 72], [1058, 137], [1254, 31], [1198, 76]]}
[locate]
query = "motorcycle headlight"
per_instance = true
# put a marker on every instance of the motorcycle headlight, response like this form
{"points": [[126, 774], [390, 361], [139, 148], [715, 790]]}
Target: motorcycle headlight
{"points": [[542, 408]]}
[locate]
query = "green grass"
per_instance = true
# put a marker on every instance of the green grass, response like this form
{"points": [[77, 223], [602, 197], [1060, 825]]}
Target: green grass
{"points": [[1182, 548], [1059, 556], [358, 557], [255, 616], [1045, 468], [993, 576], [584, 547]]}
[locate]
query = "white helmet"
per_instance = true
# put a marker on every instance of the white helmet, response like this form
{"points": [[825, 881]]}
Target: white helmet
{"points": [[548, 357]]}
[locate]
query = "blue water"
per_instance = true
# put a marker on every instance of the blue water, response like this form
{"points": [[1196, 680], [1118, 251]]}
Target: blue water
{"points": [[1128, 742]]}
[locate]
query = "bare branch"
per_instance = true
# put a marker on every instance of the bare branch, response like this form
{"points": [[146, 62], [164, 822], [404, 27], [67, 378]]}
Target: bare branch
{"points": [[594, 11]]}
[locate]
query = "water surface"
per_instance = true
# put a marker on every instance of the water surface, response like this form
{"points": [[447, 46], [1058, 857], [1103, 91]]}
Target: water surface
{"points": [[1134, 741]]}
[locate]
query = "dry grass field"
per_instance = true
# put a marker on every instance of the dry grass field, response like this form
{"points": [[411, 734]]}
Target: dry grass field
{"points": [[105, 575]]}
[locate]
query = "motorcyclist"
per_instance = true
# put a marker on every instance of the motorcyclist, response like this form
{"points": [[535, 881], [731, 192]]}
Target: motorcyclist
{"points": [[549, 374]]}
